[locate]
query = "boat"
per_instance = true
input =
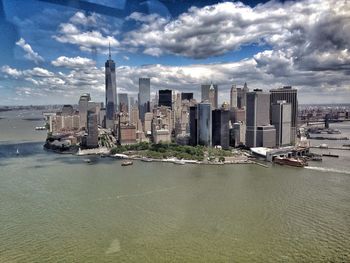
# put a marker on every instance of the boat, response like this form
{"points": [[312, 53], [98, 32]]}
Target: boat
{"points": [[87, 160], [17, 152], [290, 161], [323, 146], [180, 162], [144, 159], [316, 158], [330, 155], [127, 163]]}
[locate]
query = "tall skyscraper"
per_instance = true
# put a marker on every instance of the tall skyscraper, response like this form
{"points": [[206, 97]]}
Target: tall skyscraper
{"points": [[242, 96], [220, 128], [281, 118], [144, 97], [187, 96], [258, 115], [83, 108], [205, 92], [92, 130], [123, 102], [111, 91], [165, 98], [233, 97], [204, 124], [290, 95], [193, 125]]}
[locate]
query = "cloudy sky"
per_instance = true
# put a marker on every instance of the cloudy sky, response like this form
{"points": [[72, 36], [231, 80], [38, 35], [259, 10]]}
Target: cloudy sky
{"points": [[52, 51]]}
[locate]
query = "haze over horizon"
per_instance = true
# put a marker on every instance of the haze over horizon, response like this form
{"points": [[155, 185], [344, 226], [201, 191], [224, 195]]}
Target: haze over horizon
{"points": [[53, 53]]}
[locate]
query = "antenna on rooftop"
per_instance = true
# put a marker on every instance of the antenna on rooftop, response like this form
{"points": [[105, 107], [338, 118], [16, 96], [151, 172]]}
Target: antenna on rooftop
{"points": [[109, 48]]}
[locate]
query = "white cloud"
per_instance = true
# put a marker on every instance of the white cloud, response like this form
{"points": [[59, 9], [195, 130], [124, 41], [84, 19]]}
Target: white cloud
{"points": [[84, 31], [30, 54], [75, 62], [305, 31], [12, 72]]}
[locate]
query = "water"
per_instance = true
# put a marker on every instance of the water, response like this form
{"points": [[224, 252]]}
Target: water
{"points": [[56, 208]]}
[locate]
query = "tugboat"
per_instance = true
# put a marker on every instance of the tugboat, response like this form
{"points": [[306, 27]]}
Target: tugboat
{"points": [[290, 161], [127, 163]]}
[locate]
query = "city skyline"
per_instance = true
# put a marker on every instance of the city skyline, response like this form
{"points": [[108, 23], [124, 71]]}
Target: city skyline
{"points": [[69, 58]]}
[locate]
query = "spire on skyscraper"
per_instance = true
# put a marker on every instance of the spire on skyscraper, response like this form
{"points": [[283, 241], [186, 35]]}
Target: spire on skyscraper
{"points": [[109, 49]]}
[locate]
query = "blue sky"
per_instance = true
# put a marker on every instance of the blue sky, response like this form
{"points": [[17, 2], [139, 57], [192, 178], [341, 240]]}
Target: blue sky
{"points": [[54, 52]]}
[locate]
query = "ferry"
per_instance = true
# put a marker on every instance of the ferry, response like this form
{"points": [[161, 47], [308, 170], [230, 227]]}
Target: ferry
{"points": [[290, 161], [127, 163]]}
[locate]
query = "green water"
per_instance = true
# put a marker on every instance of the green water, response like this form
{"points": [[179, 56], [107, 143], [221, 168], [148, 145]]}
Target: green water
{"points": [[56, 208]]}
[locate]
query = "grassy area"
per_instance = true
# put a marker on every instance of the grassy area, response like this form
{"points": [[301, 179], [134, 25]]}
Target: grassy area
{"points": [[160, 150]]}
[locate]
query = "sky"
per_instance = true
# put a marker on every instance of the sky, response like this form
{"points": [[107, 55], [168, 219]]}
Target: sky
{"points": [[52, 51]]}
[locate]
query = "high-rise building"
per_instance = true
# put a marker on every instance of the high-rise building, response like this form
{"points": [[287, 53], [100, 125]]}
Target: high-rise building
{"points": [[67, 110], [210, 90], [123, 102], [242, 96], [187, 96], [265, 136], [165, 98], [92, 130], [233, 97], [258, 114], [193, 125], [220, 128], [144, 97], [281, 118], [83, 108], [111, 91], [204, 124], [290, 95]]}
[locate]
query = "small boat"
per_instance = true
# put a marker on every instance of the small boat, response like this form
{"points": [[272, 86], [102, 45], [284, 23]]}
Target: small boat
{"points": [[290, 161], [323, 146], [87, 160], [330, 155], [127, 163], [17, 152], [144, 159], [180, 162]]}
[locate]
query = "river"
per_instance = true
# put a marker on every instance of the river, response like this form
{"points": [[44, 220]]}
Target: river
{"points": [[57, 208]]}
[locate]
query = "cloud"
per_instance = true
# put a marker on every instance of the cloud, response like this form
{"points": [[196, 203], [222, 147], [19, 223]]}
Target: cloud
{"points": [[12, 72], [75, 62], [314, 34], [84, 31], [30, 54]]}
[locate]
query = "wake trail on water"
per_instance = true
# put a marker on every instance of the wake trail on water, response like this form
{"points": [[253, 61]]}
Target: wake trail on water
{"points": [[322, 169]]}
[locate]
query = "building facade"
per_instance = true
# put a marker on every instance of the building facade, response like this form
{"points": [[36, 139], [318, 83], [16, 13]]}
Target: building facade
{"points": [[144, 97], [207, 90], [165, 98], [111, 92], [204, 124], [281, 114], [258, 114], [220, 128], [290, 95]]}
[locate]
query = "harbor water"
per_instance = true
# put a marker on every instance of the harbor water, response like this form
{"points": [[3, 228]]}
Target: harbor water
{"points": [[58, 208]]}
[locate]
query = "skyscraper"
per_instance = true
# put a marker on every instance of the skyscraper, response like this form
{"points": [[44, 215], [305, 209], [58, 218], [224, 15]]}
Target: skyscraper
{"points": [[242, 96], [111, 92], [83, 108], [123, 102], [193, 125], [281, 118], [205, 92], [165, 98], [144, 97], [92, 137], [258, 115], [187, 96], [233, 97], [204, 124], [290, 95], [220, 128]]}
